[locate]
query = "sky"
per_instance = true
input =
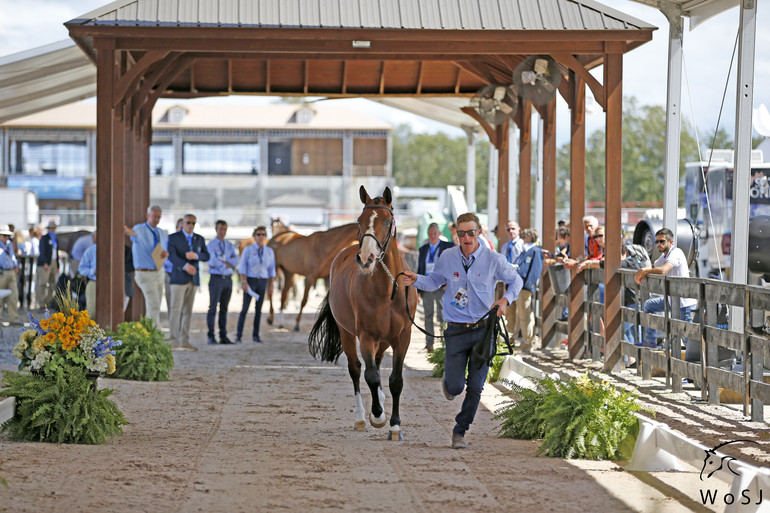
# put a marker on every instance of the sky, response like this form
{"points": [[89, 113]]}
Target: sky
{"points": [[707, 53]]}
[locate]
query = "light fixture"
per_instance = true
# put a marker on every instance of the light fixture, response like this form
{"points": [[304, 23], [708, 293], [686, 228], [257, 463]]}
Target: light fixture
{"points": [[361, 44]]}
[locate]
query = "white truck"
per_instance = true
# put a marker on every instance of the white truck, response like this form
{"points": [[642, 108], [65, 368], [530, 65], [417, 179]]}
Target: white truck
{"points": [[18, 207]]}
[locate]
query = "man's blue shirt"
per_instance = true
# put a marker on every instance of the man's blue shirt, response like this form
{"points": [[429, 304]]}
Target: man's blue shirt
{"points": [[7, 258], [87, 265], [254, 265], [81, 245], [219, 249], [144, 242], [486, 269]]}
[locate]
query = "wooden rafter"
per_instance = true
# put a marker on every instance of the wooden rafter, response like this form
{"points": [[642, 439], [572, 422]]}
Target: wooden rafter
{"points": [[569, 60]]}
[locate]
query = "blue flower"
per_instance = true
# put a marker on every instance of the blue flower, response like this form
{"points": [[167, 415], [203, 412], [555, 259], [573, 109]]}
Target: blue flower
{"points": [[106, 346], [35, 324]]}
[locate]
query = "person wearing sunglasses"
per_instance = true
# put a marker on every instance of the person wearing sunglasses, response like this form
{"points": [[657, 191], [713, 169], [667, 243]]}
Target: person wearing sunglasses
{"points": [[672, 262], [186, 249], [470, 272], [257, 271]]}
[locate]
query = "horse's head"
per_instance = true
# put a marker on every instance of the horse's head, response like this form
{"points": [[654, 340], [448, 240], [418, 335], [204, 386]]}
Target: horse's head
{"points": [[376, 226]]}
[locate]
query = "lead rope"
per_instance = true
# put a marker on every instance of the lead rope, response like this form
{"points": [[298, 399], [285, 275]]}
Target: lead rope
{"points": [[494, 327]]}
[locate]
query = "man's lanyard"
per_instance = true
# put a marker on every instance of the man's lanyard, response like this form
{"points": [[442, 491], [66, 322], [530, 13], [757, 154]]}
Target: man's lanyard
{"points": [[432, 252], [469, 264], [155, 236], [259, 253]]}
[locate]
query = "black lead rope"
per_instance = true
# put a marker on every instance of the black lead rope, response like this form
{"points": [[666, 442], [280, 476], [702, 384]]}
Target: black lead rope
{"points": [[485, 349]]}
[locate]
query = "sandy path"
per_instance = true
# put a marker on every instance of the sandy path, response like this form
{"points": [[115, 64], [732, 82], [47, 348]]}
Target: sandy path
{"points": [[267, 428]]}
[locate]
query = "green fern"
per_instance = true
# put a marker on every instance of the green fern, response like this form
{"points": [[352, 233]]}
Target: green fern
{"points": [[584, 419], [64, 408], [144, 354]]}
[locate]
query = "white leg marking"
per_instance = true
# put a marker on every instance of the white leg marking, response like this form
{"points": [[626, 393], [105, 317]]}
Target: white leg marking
{"points": [[359, 414], [381, 395]]}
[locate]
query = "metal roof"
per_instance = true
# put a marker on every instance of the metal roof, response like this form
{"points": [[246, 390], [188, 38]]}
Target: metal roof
{"points": [[367, 14], [697, 10], [43, 78]]}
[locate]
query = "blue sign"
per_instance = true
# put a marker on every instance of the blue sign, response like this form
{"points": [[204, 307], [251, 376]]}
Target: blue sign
{"points": [[49, 187]]}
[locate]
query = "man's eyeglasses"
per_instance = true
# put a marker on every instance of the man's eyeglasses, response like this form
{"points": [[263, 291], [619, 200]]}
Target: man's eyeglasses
{"points": [[599, 236], [469, 233], [510, 229], [189, 222], [660, 241], [261, 234]]}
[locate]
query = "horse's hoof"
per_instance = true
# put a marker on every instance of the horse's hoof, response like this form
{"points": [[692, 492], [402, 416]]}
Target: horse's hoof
{"points": [[270, 321], [395, 434], [360, 425], [377, 422], [296, 328]]}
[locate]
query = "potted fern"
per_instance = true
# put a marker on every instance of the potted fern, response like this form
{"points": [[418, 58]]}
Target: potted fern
{"points": [[144, 355], [579, 419]]}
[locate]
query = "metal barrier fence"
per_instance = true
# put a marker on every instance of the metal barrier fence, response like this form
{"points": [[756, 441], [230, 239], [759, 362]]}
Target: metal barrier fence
{"points": [[710, 360]]}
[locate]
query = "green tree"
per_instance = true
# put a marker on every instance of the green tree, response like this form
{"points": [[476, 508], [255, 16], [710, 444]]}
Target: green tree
{"points": [[437, 160], [644, 146]]}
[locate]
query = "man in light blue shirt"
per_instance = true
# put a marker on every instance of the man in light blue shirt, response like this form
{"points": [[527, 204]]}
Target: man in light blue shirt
{"points": [[221, 264], [81, 245], [87, 268], [470, 273], [145, 238], [9, 267], [512, 249], [257, 270]]}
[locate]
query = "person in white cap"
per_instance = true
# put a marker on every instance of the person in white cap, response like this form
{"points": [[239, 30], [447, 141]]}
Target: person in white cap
{"points": [[10, 270], [47, 267]]}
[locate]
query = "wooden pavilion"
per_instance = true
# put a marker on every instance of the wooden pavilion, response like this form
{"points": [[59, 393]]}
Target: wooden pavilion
{"points": [[147, 49]]}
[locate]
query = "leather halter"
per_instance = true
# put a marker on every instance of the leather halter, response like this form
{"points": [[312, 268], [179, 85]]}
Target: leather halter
{"points": [[381, 246]]}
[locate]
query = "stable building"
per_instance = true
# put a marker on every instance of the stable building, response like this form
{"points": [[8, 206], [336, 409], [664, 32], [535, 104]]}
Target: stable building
{"points": [[212, 159]]}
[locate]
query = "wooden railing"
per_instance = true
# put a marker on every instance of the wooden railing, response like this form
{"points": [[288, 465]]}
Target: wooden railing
{"points": [[712, 349]]}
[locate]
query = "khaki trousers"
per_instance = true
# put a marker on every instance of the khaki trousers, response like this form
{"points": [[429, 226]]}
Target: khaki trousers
{"points": [[91, 298], [8, 281], [151, 284], [180, 313], [46, 284], [526, 316]]}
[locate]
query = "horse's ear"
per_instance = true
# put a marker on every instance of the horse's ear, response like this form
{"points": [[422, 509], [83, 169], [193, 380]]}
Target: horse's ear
{"points": [[387, 196], [363, 195]]}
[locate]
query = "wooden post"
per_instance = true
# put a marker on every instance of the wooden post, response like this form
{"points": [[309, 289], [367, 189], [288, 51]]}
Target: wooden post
{"points": [[613, 84], [502, 175], [105, 81], [547, 297], [525, 164], [577, 289]]}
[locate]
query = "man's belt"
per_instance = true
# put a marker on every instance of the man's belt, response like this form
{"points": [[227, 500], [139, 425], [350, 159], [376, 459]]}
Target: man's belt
{"points": [[145, 270], [477, 324]]}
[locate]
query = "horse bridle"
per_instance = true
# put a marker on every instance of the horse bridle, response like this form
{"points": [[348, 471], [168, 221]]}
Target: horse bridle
{"points": [[383, 247]]}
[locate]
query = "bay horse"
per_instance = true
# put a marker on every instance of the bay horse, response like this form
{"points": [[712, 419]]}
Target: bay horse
{"points": [[364, 302], [310, 257]]}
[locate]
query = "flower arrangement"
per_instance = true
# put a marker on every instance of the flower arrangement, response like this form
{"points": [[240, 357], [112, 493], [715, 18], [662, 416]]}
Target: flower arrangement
{"points": [[72, 340], [57, 399], [584, 418]]}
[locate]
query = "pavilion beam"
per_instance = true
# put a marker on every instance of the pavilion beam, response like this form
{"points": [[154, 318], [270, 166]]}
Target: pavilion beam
{"points": [[613, 84], [548, 298], [129, 82], [569, 60], [576, 329], [524, 121]]}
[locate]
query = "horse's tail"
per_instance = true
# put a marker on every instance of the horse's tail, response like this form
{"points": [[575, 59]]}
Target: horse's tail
{"points": [[324, 340]]}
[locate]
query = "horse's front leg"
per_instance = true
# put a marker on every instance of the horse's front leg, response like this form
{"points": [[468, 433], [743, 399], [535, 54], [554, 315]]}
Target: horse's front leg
{"points": [[372, 376], [354, 369], [396, 383]]}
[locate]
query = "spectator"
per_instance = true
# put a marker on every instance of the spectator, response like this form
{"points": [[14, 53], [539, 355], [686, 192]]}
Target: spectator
{"points": [[512, 249], [47, 267], [530, 267], [432, 300], [9, 268], [590, 248], [672, 262], [167, 267], [81, 245]]}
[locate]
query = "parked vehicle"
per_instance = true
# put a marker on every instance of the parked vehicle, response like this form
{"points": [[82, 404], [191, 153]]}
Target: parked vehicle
{"points": [[18, 207]]}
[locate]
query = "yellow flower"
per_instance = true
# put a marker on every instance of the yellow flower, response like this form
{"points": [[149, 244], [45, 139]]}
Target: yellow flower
{"points": [[39, 344], [110, 363], [68, 344], [50, 337], [70, 319], [44, 323], [73, 311]]}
